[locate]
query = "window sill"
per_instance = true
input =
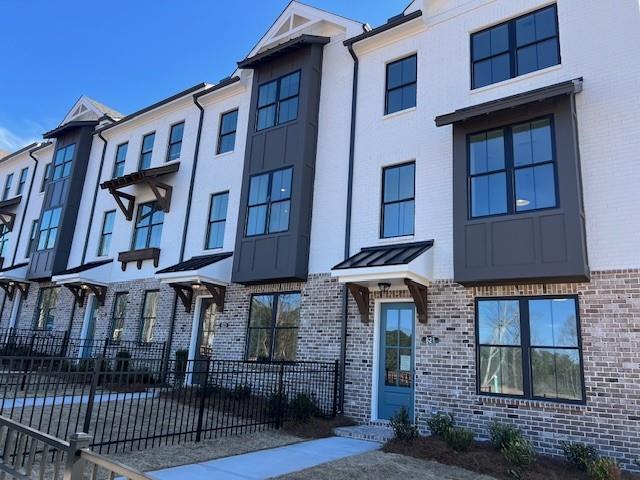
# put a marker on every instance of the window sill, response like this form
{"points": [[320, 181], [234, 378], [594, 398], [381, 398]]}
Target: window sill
{"points": [[139, 256], [392, 240], [399, 113], [510, 81], [225, 154], [515, 403]]}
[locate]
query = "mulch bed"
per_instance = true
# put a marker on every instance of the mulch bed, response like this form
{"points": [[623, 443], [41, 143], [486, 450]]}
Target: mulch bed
{"points": [[317, 427], [485, 459]]}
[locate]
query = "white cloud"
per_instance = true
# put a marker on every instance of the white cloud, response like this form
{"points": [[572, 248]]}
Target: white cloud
{"points": [[10, 142]]}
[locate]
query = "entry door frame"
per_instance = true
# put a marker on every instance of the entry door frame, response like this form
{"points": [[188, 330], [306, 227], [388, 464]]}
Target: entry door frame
{"points": [[375, 374], [193, 344]]}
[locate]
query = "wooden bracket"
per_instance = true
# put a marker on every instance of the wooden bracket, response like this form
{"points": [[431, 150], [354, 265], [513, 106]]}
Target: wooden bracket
{"points": [[361, 296], [80, 292], [129, 199], [185, 294], [419, 294], [10, 288], [217, 292], [163, 197], [7, 219]]}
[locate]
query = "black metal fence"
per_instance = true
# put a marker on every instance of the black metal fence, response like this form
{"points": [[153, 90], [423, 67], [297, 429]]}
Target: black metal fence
{"points": [[44, 343], [136, 403]]}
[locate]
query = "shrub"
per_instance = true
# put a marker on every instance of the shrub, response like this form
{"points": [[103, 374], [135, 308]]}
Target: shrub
{"points": [[458, 439], [519, 452], [604, 469], [440, 423], [303, 407], [277, 405], [240, 391], [403, 428], [501, 435], [579, 454]]}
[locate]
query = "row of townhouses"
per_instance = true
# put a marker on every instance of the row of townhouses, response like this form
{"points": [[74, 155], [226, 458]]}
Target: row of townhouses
{"points": [[443, 204]]}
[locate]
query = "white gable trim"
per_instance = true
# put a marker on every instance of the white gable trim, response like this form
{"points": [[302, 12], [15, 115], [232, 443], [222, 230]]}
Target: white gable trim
{"points": [[83, 109]]}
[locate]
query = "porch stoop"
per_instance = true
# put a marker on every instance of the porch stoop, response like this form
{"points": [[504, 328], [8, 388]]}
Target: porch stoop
{"points": [[380, 432]]}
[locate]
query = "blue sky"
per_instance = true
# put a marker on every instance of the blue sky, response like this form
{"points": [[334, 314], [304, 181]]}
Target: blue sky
{"points": [[128, 53]]}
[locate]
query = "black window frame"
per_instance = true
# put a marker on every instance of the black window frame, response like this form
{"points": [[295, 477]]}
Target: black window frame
{"points": [[49, 309], [104, 235], [156, 208], [149, 152], [49, 229], [278, 101], [115, 173], [64, 167], [273, 327], [8, 183], [144, 318], [388, 90], [33, 238], [22, 180], [268, 203], [222, 135], [45, 176], [210, 222], [171, 143], [525, 346], [4, 238], [383, 203], [513, 47], [510, 169], [112, 324]]}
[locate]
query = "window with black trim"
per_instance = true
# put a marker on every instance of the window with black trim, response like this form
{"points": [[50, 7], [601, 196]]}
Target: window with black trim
{"points": [[24, 173], [278, 101], [402, 81], [33, 236], [4, 239], [49, 228], [146, 150], [512, 169], [7, 186], [269, 202], [227, 134], [529, 347], [46, 176], [46, 310], [120, 302], [217, 220], [148, 228], [273, 327], [398, 200], [522, 45], [121, 156], [106, 233], [175, 141], [149, 316], [63, 161]]}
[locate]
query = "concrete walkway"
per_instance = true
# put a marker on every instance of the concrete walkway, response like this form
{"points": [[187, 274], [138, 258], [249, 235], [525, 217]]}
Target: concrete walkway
{"points": [[270, 463]]}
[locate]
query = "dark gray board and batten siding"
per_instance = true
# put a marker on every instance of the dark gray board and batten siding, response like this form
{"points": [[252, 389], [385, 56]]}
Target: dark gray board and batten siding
{"points": [[285, 255]]}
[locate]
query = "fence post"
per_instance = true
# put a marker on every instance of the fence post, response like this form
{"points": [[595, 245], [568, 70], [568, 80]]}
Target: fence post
{"points": [[33, 339], [104, 349], [65, 344], [281, 403], [203, 396], [74, 466], [92, 394], [164, 362], [336, 374]]}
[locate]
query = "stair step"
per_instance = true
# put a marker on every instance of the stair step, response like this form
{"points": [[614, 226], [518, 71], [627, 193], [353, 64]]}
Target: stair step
{"points": [[378, 432]]}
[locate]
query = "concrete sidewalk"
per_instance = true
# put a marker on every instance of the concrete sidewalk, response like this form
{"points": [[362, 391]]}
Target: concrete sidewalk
{"points": [[270, 463]]}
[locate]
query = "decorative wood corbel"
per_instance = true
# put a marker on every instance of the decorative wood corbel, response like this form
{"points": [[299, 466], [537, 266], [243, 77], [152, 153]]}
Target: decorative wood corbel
{"points": [[419, 295], [218, 293], [162, 192], [361, 296], [7, 219], [78, 292], [185, 294], [128, 198], [10, 288]]}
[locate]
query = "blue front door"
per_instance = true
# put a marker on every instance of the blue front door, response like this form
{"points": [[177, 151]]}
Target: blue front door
{"points": [[395, 381]]}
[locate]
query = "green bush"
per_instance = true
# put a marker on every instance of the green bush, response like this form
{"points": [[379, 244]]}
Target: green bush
{"points": [[440, 423], [303, 407], [403, 427], [579, 454], [604, 469], [458, 439], [502, 435], [519, 452], [277, 405], [240, 391]]}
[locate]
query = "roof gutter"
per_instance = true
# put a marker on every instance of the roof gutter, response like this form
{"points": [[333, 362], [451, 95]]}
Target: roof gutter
{"points": [[26, 206], [392, 23]]}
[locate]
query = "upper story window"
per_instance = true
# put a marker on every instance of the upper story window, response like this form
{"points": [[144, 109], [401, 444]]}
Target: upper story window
{"points": [[46, 311], [175, 141], [402, 78], [149, 315], [121, 156], [227, 135], [398, 200], [49, 228], [512, 169], [46, 176], [148, 228], [63, 161], [120, 302], [7, 186], [33, 236], [24, 173], [217, 220], [269, 202], [278, 101], [529, 348], [4, 239], [146, 150], [522, 45], [106, 233]]}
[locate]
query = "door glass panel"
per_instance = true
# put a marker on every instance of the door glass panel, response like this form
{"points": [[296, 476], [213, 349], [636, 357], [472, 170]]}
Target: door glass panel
{"points": [[406, 327], [391, 366], [207, 329], [392, 328]]}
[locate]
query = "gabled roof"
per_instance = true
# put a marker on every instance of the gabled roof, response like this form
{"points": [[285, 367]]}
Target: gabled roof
{"points": [[88, 109]]}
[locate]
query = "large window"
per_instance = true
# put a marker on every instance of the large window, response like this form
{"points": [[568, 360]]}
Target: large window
{"points": [[149, 315], [278, 101], [63, 161], [217, 220], [516, 47], [402, 78], [46, 177], [24, 173], [398, 201], [269, 202], [4, 239], [46, 311], [49, 228], [7, 186], [273, 327], [530, 348], [146, 150], [33, 236], [175, 141], [227, 134], [106, 233], [120, 302], [512, 169], [148, 228], [121, 157]]}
